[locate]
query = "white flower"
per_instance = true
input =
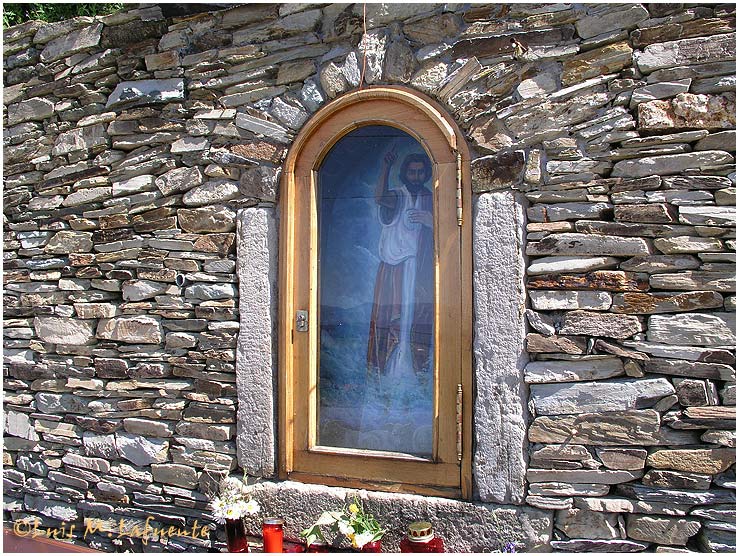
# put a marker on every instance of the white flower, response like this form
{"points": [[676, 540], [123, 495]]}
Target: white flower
{"points": [[326, 519], [363, 538], [233, 512], [345, 528], [251, 507]]}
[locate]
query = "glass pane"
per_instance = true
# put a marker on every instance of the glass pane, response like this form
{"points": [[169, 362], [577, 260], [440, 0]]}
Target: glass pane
{"points": [[376, 279]]}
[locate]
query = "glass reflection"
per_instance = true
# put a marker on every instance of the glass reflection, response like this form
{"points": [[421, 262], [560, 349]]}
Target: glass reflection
{"points": [[376, 279]]}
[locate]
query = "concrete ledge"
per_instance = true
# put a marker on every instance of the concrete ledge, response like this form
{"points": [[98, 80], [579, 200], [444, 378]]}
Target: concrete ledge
{"points": [[465, 526]]}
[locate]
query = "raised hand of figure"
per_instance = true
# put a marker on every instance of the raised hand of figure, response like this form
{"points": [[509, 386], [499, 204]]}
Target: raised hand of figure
{"points": [[389, 158], [423, 217]]}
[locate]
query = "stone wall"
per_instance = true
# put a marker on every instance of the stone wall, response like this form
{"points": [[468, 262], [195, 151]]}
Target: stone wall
{"points": [[131, 141]]}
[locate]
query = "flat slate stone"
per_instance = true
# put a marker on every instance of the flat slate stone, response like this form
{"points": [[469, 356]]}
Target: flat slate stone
{"points": [[140, 450], [559, 452], [658, 91], [660, 263], [721, 140], [667, 530], [549, 502], [85, 462], [686, 51], [591, 397], [616, 18], [651, 213], [175, 474], [557, 212], [132, 330], [568, 489], [598, 545], [708, 216], [213, 219], [588, 244], [85, 196], [611, 58], [609, 280], [595, 323], [80, 139], [594, 476], [709, 461], [538, 343], [695, 280], [146, 91], [554, 300], [261, 127], [676, 479], [61, 330], [540, 372], [622, 458], [70, 43], [710, 540], [51, 508], [211, 192], [623, 505], [699, 329], [688, 244], [692, 369], [670, 164], [546, 265], [636, 427], [677, 496], [721, 438], [33, 109], [651, 303]]}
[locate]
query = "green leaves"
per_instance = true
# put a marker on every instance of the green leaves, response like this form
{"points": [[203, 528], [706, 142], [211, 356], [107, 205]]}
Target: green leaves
{"points": [[351, 521], [13, 14]]}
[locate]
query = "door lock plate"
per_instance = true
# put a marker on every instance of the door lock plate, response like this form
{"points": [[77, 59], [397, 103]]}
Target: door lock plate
{"points": [[301, 321]]}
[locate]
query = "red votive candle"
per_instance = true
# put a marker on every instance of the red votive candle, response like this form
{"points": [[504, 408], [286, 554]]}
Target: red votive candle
{"points": [[272, 533], [421, 538]]}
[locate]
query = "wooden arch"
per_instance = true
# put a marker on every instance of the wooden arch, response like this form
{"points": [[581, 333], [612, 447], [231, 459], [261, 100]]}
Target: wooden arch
{"points": [[429, 123]]}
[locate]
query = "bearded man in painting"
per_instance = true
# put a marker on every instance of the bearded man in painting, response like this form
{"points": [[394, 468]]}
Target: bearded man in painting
{"points": [[401, 325]]}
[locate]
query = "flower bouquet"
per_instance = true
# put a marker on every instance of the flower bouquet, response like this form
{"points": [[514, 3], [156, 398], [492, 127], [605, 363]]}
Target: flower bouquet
{"points": [[229, 508], [360, 528]]}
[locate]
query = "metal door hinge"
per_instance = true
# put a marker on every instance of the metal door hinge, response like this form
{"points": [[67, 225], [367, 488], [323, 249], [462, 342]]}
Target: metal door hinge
{"points": [[301, 321], [459, 422]]}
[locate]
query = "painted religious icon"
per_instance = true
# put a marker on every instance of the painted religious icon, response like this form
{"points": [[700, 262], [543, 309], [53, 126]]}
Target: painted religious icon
{"points": [[376, 288]]}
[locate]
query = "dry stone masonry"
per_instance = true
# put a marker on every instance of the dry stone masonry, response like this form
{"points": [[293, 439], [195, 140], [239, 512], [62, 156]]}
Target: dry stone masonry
{"points": [[136, 142]]}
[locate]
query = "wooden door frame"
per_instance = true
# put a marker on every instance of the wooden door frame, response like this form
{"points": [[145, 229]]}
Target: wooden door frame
{"points": [[290, 193]]}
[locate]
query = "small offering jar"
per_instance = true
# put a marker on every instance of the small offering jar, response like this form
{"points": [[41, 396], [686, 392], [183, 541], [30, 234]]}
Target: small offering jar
{"points": [[317, 546], [421, 538], [372, 546], [272, 533], [236, 535]]}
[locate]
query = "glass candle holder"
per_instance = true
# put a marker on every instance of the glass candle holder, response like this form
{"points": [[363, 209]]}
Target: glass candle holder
{"points": [[421, 538], [236, 535], [317, 546], [273, 534], [372, 546]]}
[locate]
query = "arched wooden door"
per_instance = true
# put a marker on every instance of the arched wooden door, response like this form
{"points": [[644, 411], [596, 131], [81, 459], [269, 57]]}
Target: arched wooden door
{"points": [[375, 294]]}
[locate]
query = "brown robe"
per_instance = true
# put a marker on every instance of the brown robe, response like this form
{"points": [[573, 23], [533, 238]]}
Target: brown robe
{"points": [[385, 319]]}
